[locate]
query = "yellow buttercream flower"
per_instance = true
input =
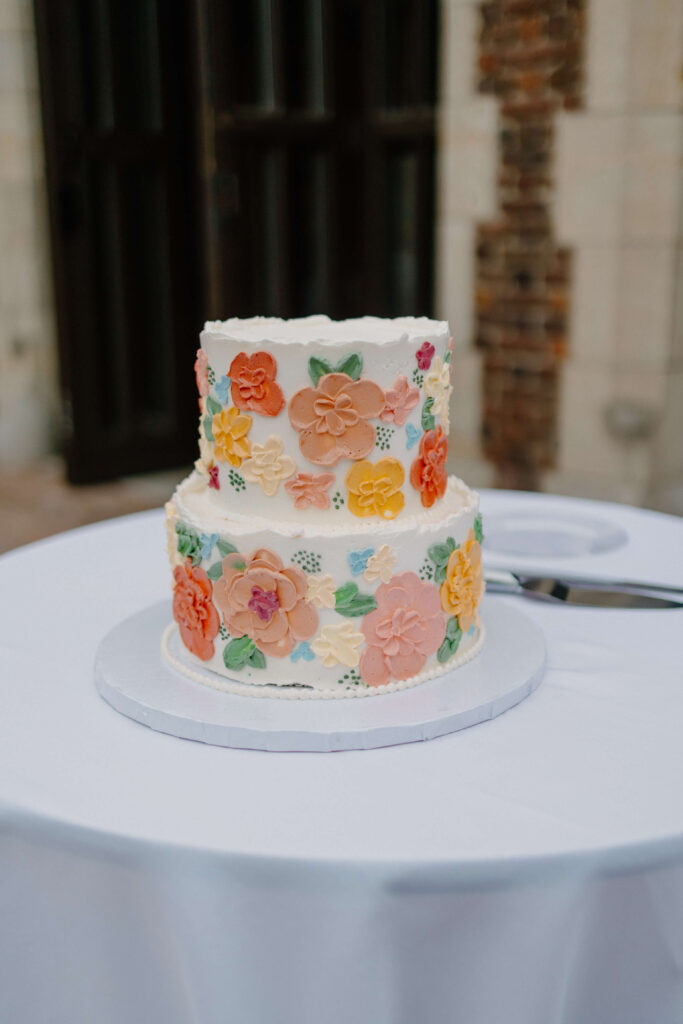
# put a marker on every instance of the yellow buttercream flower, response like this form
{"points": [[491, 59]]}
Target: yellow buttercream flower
{"points": [[338, 645], [437, 386], [375, 490], [320, 591], [379, 566], [230, 428], [267, 465], [462, 589]]}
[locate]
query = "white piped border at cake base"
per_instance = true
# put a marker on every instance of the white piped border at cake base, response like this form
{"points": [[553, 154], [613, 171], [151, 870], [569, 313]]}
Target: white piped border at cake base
{"points": [[134, 679], [293, 691]]}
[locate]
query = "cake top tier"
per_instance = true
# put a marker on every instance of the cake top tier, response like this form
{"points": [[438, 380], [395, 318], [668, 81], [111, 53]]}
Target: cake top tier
{"points": [[303, 420]]}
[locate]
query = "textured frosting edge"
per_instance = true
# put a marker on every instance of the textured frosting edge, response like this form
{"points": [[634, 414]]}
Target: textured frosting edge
{"points": [[321, 331]]}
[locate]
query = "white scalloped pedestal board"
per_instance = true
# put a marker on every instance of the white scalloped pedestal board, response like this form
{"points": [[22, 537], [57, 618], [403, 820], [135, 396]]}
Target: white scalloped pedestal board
{"points": [[132, 676]]}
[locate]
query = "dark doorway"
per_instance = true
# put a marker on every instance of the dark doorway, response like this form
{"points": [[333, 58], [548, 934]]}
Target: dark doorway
{"points": [[214, 158]]}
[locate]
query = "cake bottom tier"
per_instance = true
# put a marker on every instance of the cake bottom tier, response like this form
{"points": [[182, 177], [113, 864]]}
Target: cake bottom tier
{"points": [[333, 612]]}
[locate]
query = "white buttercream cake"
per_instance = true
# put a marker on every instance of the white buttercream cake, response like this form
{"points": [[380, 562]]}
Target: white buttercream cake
{"points": [[319, 545]]}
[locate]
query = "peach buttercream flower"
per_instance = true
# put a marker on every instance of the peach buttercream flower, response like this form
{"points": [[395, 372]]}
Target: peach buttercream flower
{"points": [[338, 645], [193, 610], [401, 400], [268, 465], [310, 489], [320, 591], [258, 597], [406, 627], [379, 565], [375, 490], [437, 386], [253, 385], [332, 418], [230, 428], [428, 471], [201, 372], [463, 587]]}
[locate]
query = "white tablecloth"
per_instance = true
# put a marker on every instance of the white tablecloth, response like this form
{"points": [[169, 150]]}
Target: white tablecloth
{"points": [[527, 871]]}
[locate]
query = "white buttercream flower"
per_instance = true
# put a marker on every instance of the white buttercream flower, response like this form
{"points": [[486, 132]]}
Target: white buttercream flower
{"points": [[174, 556], [320, 591], [267, 465], [379, 565], [437, 386], [337, 645]]}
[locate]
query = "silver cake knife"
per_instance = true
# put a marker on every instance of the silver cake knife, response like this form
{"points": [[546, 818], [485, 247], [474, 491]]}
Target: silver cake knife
{"points": [[581, 591]]}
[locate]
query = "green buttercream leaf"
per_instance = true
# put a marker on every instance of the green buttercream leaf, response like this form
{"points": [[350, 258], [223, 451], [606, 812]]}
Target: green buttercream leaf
{"points": [[208, 429], [212, 406], [447, 357], [478, 528], [215, 571], [225, 548], [317, 368], [350, 603], [453, 631], [238, 652], [428, 421], [439, 554], [451, 641], [352, 365], [257, 659], [189, 544]]}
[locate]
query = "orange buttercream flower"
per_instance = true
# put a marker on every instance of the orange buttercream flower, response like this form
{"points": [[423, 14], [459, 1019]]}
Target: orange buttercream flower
{"points": [[462, 589], [196, 616], [332, 418], [201, 370], [428, 471], [253, 385], [260, 598], [230, 428], [375, 490]]}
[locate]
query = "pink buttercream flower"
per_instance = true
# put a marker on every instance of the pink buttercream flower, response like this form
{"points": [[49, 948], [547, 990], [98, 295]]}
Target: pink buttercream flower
{"points": [[260, 598], [406, 627], [424, 355], [333, 418], [401, 400], [213, 478], [201, 370], [310, 489]]}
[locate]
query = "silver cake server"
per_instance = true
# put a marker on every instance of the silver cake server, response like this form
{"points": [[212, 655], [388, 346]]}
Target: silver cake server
{"points": [[580, 591]]}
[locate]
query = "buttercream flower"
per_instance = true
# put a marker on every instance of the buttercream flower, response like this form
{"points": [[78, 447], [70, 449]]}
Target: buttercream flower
{"points": [[253, 385], [332, 418], [428, 471], [174, 556], [424, 355], [193, 610], [230, 428], [310, 489], [338, 645], [400, 401], [213, 478], [258, 597], [463, 587], [380, 564], [201, 372], [267, 465], [406, 627], [437, 386], [375, 490], [320, 591]]}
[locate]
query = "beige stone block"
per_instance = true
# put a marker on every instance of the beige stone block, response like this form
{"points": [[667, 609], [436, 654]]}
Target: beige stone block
{"points": [[669, 441], [677, 334], [455, 277], [21, 146], [466, 399], [652, 180], [656, 54], [468, 159], [585, 445], [584, 483], [646, 291], [648, 387], [18, 63], [607, 55], [16, 16], [589, 172], [458, 53], [594, 305], [25, 280]]}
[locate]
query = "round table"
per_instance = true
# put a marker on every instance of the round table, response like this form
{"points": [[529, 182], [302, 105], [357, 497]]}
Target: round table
{"points": [[526, 870]]}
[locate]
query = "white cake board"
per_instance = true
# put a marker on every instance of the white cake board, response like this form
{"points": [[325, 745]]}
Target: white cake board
{"points": [[132, 676]]}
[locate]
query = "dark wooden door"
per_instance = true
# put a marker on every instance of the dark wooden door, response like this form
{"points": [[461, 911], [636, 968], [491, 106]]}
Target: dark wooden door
{"points": [[117, 85], [319, 133]]}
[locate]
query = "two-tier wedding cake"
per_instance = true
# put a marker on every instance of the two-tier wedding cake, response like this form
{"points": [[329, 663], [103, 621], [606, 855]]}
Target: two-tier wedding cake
{"points": [[319, 544]]}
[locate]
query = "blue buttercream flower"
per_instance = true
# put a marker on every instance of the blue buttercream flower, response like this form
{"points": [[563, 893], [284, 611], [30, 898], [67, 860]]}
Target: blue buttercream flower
{"points": [[413, 435], [358, 560], [221, 388], [302, 651], [207, 541]]}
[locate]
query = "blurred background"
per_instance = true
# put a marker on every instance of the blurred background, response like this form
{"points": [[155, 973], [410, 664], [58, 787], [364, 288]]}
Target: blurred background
{"points": [[513, 166]]}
